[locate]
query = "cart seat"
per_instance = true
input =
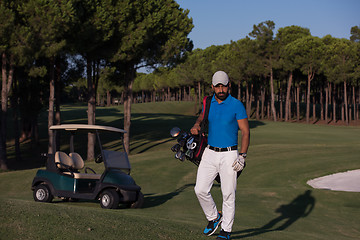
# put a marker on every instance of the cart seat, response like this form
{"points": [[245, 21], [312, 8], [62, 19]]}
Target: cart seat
{"points": [[62, 160], [78, 162], [65, 162]]}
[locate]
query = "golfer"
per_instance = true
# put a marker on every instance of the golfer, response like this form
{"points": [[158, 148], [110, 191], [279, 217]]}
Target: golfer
{"points": [[226, 116]]}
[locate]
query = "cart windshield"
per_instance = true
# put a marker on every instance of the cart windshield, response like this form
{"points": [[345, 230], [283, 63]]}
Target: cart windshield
{"points": [[116, 159]]}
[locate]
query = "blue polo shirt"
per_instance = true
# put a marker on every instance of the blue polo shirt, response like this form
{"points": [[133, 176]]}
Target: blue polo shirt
{"points": [[223, 125]]}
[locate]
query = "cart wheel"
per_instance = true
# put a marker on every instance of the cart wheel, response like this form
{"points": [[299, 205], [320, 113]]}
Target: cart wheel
{"points": [[109, 199], [139, 202], [42, 193]]}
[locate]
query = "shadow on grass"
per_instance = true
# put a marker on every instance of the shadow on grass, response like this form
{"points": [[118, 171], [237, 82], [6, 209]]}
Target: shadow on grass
{"points": [[298, 208], [154, 129], [153, 201], [148, 130]]}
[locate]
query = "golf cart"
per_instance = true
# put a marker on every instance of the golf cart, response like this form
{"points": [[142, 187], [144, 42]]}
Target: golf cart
{"points": [[62, 177]]}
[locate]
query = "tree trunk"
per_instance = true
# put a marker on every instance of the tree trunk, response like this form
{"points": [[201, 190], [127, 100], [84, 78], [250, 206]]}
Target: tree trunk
{"points": [[358, 103], [273, 110], [239, 90], [257, 109], [189, 95], [310, 76], [58, 93], [314, 109], [292, 100], [130, 75], [262, 103], [57, 100], [346, 104], [91, 108], [184, 94], [250, 98], [287, 100], [354, 102], [248, 106], [7, 78], [199, 94], [51, 106], [327, 89], [14, 106], [280, 105], [298, 103], [108, 98], [334, 104], [169, 94], [322, 103]]}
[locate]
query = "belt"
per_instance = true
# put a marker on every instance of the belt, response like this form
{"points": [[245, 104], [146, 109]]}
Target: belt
{"points": [[216, 149]]}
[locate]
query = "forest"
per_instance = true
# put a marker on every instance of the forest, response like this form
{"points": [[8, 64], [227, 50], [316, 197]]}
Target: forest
{"points": [[287, 76], [55, 52]]}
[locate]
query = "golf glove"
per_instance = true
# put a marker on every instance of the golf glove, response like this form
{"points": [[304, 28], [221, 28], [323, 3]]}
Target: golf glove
{"points": [[239, 163]]}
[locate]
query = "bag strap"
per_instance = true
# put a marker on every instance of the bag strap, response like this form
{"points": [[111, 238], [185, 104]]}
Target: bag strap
{"points": [[205, 121]]}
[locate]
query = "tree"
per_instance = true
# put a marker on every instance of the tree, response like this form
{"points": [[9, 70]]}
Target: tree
{"points": [[263, 33], [284, 37], [183, 76], [307, 52], [355, 34], [239, 59], [7, 22], [355, 37], [340, 61], [204, 67], [92, 36], [147, 33], [49, 22]]}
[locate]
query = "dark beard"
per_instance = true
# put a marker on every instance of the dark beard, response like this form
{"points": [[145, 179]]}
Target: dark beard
{"points": [[221, 95]]}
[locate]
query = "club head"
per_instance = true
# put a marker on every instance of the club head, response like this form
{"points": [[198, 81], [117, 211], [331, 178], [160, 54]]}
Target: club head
{"points": [[180, 155], [189, 154], [175, 132], [176, 148], [190, 144]]}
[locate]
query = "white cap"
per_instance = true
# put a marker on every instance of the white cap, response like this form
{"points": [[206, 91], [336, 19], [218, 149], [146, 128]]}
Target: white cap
{"points": [[220, 77]]}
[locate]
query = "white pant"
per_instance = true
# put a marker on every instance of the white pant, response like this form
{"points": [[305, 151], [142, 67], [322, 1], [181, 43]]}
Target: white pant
{"points": [[211, 164]]}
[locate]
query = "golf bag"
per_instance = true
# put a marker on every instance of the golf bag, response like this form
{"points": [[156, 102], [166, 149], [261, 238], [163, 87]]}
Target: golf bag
{"points": [[191, 146]]}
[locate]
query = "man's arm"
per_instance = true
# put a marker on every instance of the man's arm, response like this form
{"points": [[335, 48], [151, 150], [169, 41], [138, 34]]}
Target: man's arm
{"points": [[245, 134], [239, 163], [196, 128]]}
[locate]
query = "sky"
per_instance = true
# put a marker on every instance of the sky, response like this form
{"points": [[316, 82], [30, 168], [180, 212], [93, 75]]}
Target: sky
{"points": [[218, 22]]}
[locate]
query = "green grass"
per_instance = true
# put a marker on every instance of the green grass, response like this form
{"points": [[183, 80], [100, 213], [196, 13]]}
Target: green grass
{"points": [[273, 199]]}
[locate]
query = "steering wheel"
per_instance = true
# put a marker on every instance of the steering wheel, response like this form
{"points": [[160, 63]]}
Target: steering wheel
{"points": [[99, 158], [87, 168]]}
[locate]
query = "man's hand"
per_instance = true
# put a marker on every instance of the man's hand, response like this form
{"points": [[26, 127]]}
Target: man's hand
{"points": [[239, 163], [195, 129]]}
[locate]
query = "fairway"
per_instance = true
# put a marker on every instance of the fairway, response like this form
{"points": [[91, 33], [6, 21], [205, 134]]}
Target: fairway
{"points": [[273, 199]]}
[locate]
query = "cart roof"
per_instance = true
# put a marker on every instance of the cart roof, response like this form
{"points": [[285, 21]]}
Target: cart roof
{"points": [[74, 127]]}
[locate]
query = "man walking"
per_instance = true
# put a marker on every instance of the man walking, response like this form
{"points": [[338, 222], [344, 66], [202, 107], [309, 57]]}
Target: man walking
{"points": [[226, 116]]}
